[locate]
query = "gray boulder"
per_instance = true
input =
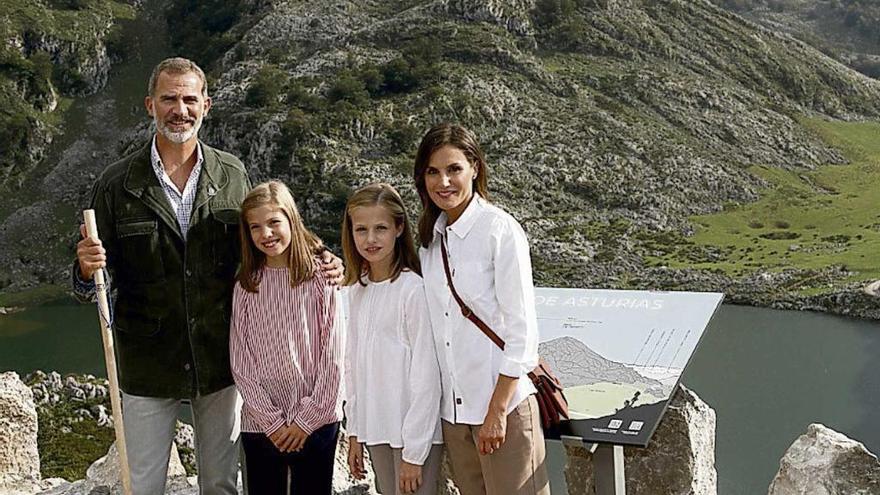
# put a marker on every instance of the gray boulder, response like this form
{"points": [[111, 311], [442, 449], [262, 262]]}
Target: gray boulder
{"points": [[184, 438], [103, 477], [825, 462], [679, 460], [19, 457]]}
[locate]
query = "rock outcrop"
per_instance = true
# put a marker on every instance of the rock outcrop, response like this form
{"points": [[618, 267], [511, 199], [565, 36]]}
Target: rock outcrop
{"points": [[343, 482], [85, 58], [825, 462], [49, 51], [513, 15], [103, 477], [19, 457], [680, 460]]}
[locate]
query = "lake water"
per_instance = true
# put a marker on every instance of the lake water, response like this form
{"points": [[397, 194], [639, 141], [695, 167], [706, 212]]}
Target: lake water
{"points": [[768, 374]]}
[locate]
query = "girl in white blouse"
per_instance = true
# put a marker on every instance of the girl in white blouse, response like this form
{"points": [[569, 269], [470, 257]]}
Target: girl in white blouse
{"points": [[490, 418], [391, 368]]}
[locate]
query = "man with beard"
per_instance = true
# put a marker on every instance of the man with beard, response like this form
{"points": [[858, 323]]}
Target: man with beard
{"points": [[168, 217]]}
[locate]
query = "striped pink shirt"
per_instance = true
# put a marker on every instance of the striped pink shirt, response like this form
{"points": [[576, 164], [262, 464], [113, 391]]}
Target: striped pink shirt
{"points": [[286, 351]]}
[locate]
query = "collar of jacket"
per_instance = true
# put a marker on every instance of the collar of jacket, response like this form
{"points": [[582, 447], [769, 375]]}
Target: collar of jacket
{"points": [[141, 181]]}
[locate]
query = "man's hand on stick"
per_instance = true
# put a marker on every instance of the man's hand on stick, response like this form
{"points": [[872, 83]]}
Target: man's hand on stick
{"points": [[91, 255]]}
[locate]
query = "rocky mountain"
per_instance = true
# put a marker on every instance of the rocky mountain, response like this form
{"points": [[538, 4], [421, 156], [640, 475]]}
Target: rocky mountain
{"points": [[51, 50], [607, 123], [843, 29]]}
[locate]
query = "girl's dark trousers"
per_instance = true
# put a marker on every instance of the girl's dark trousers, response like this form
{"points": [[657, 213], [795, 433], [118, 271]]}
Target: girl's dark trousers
{"points": [[311, 469]]}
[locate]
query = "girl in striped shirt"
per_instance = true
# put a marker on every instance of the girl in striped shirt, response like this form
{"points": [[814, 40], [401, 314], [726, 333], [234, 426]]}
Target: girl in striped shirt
{"points": [[392, 374], [286, 349]]}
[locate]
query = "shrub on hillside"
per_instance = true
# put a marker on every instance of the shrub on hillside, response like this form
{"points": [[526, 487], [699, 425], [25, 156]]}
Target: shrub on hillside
{"points": [[299, 96], [32, 76], [15, 129], [202, 28], [348, 88], [68, 4], [552, 12], [371, 77], [403, 136], [295, 127], [266, 87], [399, 76]]}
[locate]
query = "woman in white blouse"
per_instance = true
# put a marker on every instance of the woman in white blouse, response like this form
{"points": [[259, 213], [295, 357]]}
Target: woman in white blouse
{"points": [[490, 418], [391, 370]]}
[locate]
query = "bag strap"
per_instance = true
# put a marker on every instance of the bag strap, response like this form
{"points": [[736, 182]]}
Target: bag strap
{"points": [[465, 310]]}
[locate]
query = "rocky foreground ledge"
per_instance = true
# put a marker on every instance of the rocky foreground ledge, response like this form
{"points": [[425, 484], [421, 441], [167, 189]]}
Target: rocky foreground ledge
{"points": [[679, 461]]}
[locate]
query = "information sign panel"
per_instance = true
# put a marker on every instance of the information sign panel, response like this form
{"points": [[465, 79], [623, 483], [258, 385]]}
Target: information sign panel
{"points": [[620, 355]]}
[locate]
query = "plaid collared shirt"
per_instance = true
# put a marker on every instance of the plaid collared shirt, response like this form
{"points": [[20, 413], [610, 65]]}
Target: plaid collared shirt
{"points": [[181, 202]]}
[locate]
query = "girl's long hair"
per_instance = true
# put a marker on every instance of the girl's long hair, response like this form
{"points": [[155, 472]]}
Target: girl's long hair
{"points": [[405, 256], [303, 243], [441, 135]]}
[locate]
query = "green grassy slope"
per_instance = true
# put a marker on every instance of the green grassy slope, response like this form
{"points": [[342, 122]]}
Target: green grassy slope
{"points": [[804, 219]]}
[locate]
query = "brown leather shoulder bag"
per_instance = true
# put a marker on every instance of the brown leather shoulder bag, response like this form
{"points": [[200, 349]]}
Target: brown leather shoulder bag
{"points": [[551, 402]]}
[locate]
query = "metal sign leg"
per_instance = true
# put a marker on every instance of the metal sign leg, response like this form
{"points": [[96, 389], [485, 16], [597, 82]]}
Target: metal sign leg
{"points": [[608, 470]]}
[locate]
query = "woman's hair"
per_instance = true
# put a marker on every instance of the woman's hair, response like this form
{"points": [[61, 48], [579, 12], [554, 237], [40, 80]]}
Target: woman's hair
{"points": [[441, 135], [405, 256], [303, 243]]}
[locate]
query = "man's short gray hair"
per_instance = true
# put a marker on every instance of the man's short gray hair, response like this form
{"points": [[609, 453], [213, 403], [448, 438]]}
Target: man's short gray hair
{"points": [[177, 65]]}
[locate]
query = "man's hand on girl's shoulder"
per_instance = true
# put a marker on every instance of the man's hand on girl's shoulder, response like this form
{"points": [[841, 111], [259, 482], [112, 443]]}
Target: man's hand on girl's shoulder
{"points": [[332, 267]]}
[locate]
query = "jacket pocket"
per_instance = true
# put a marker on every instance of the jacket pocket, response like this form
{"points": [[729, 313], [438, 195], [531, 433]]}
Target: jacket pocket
{"points": [[140, 258], [133, 320], [225, 245]]}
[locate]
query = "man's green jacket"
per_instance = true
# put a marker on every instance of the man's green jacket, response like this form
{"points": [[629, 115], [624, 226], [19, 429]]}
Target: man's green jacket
{"points": [[173, 295]]}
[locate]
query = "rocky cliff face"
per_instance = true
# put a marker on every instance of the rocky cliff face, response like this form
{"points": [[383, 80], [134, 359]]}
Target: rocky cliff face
{"points": [[87, 58], [607, 123], [50, 50], [845, 30]]}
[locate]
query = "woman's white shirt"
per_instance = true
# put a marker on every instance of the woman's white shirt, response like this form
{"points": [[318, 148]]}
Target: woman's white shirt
{"points": [[391, 369], [492, 273]]}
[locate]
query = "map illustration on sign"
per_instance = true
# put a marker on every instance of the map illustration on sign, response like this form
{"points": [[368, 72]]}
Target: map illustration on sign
{"points": [[619, 355]]}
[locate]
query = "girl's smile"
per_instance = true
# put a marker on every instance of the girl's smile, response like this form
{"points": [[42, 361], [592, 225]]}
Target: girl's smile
{"points": [[270, 232]]}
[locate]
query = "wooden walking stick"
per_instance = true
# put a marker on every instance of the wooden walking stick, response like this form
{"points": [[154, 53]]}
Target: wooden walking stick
{"points": [[110, 360]]}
